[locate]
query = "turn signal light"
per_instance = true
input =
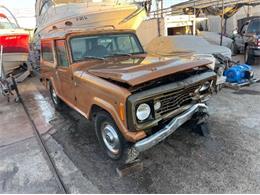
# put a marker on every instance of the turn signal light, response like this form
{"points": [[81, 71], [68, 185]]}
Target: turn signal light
{"points": [[122, 111], [258, 42]]}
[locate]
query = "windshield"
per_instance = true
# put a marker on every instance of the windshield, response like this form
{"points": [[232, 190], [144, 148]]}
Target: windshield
{"points": [[5, 24], [104, 46], [254, 27]]}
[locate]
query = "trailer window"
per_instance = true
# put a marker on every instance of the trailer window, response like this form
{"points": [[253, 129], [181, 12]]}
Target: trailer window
{"points": [[47, 54]]}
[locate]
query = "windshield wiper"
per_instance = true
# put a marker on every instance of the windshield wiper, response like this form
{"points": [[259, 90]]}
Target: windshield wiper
{"points": [[94, 57], [119, 54]]}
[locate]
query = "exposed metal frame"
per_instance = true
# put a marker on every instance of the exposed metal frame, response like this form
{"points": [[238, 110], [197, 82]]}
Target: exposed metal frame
{"points": [[178, 9]]}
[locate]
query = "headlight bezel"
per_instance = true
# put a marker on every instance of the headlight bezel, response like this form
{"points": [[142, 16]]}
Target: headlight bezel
{"points": [[148, 96]]}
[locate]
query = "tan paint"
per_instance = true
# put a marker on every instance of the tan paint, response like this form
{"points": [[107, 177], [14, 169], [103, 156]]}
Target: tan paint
{"points": [[81, 85]]}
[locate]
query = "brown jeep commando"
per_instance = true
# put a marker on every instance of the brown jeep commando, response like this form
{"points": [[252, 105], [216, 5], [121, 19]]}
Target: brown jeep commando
{"points": [[135, 100]]}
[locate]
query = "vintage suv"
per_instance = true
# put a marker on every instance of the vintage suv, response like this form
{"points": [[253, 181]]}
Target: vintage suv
{"points": [[135, 100]]}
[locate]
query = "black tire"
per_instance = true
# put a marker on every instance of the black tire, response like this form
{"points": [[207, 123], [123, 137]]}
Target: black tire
{"points": [[201, 129], [234, 49], [111, 140], [58, 103], [249, 58]]}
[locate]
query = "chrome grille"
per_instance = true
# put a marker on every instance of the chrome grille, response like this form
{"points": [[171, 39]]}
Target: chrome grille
{"points": [[175, 99]]}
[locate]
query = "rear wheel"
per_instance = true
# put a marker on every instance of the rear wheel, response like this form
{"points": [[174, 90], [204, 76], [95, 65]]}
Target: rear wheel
{"points": [[201, 129], [110, 138], [58, 103]]}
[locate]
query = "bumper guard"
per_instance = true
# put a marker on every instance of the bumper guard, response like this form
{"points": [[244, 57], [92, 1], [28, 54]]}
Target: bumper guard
{"points": [[175, 123]]}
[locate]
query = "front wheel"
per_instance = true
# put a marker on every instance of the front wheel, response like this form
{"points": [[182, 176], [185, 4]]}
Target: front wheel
{"points": [[234, 49], [109, 136], [249, 58]]}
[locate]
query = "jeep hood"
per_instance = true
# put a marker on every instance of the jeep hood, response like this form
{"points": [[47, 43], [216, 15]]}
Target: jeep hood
{"points": [[137, 70]]}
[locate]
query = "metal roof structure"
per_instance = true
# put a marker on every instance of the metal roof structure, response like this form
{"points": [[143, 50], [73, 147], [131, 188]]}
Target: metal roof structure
{"points": [[198, 4], [178, 9]]}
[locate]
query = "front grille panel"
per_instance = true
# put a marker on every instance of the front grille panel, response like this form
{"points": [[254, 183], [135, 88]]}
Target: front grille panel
{"points": [[173, 100]]}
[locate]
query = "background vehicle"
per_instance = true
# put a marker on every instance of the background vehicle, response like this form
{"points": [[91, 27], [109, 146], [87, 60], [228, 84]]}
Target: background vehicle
{"points": [[247, 40], [174, 45], [214, 38]]}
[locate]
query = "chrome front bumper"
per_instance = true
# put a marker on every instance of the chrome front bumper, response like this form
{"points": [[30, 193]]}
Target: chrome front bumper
{"points": [[175, 123]]}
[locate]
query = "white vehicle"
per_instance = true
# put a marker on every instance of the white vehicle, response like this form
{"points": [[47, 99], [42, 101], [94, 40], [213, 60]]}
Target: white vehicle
{"points": [[184, 44], [214, 38]]}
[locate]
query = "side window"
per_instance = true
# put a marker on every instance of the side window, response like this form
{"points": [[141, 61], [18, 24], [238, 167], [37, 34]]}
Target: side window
{"points": [[79, 46], [62, 59], [243, 30], [47, 54]]}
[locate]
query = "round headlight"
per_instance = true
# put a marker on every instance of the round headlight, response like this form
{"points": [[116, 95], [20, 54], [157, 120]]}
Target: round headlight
{"points": [[143, 112], [157, 105]]}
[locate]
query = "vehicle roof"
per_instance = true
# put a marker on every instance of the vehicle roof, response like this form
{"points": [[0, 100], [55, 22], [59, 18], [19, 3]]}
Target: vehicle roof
{"points": [[61, 33], [257, 18]]}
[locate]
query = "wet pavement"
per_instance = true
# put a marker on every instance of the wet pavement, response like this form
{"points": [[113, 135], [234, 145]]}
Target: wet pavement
{"points": [[226, 161], [23, 168]]}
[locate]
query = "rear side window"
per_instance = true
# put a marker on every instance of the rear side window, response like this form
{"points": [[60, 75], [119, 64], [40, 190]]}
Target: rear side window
{"points": [[62, 59], [47, 54]]}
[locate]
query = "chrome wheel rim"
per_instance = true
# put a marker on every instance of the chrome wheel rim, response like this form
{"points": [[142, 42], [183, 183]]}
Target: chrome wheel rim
{"points": [[54, 96], [110, 138]]}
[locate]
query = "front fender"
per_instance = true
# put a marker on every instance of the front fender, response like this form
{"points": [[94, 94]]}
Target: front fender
{"points": [[111, 109]]}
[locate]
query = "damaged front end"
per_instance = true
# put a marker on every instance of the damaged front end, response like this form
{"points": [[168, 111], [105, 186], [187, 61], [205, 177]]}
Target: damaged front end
{"points": [[169, 100], [171, 106]]}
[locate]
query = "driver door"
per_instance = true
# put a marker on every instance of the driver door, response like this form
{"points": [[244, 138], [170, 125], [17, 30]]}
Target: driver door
{"points": [[240, 42], [64, 72]]}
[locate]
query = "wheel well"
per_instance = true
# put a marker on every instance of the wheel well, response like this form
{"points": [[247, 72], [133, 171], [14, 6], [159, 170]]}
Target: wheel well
{"points": [[94, 109]]}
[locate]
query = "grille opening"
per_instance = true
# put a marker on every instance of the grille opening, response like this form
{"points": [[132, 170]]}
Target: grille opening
{"points": [[175, 99]]}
